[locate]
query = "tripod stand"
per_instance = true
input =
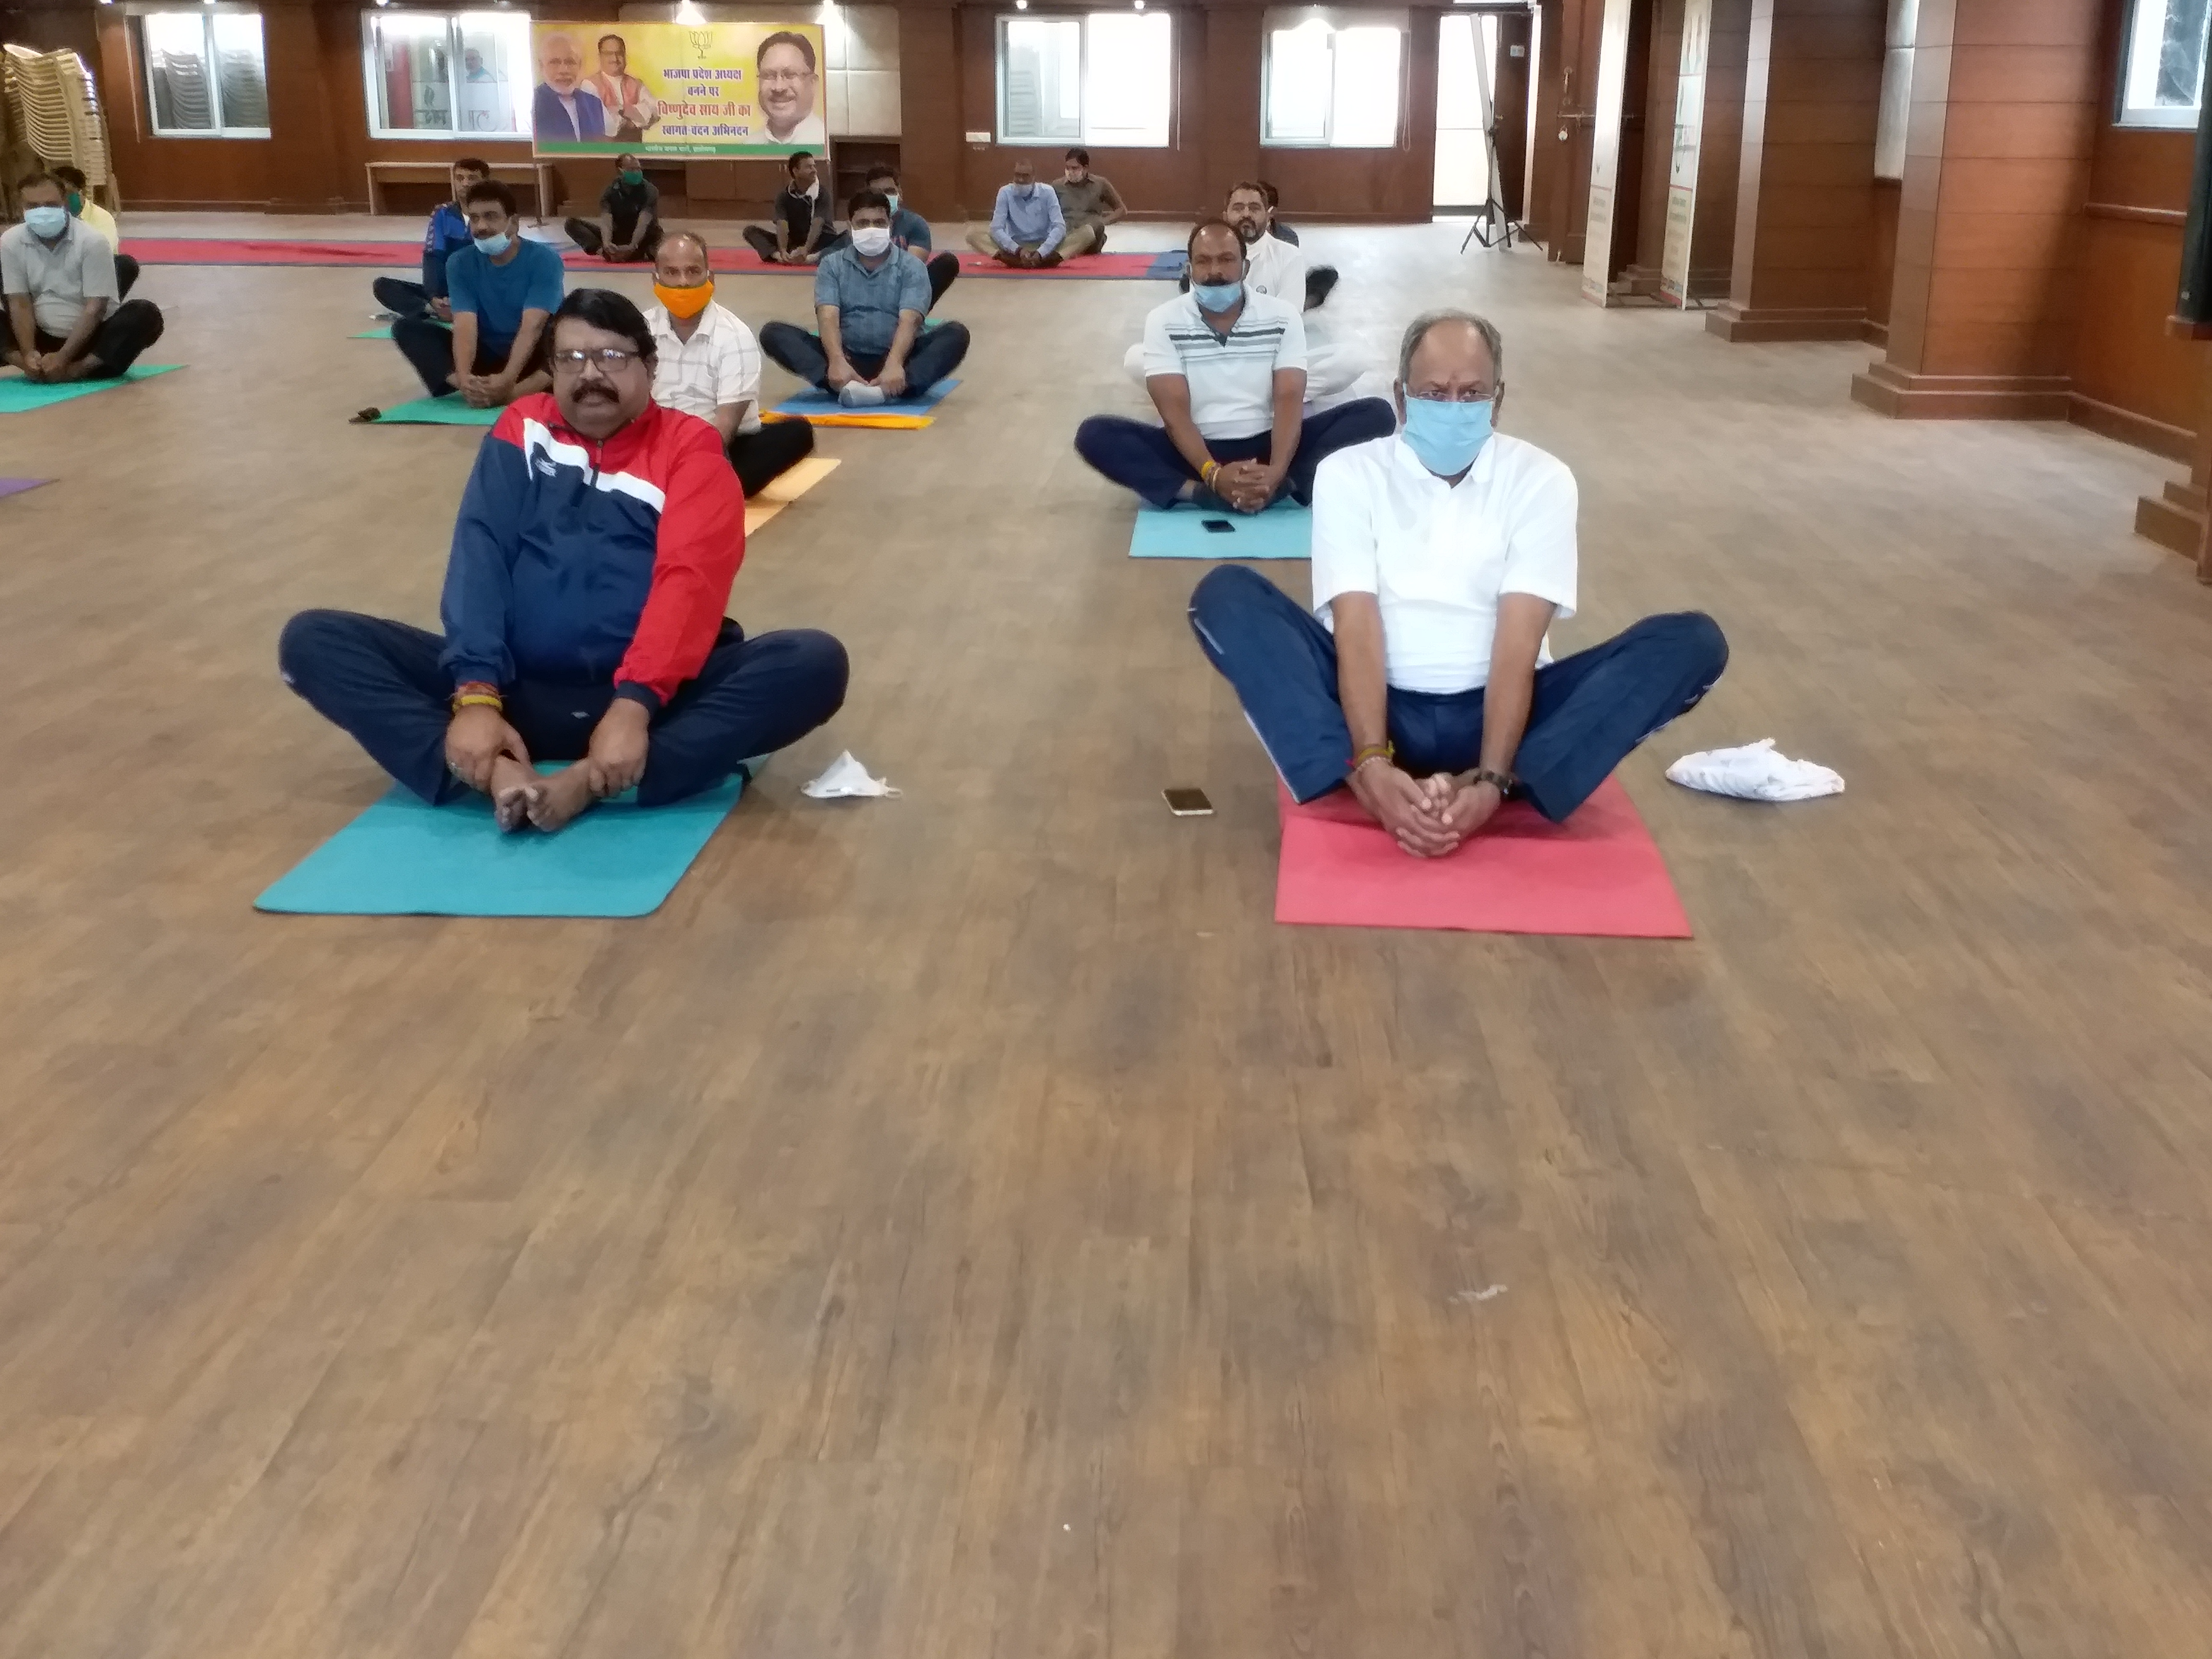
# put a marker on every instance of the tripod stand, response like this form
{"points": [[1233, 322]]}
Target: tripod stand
{"points": [[1491, 228]]}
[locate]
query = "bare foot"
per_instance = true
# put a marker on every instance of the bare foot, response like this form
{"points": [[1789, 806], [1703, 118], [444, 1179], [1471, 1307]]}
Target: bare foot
{"points": [[561, 797], [514, 791]]}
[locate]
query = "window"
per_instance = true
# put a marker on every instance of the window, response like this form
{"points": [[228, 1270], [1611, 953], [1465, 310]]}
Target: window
{"points": [[205, 74], [2163, 77], [1894, 119], [1102, 79], [438, 75], [1336, 87]]}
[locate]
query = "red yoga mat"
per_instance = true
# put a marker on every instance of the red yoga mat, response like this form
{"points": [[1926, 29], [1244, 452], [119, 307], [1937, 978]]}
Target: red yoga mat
{"points": [[1598, 875], [406, 256]]}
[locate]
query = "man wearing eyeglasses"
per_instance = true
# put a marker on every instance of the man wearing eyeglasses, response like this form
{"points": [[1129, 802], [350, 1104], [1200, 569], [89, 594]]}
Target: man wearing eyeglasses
{"points": [[1421, 679], [590, 565]]}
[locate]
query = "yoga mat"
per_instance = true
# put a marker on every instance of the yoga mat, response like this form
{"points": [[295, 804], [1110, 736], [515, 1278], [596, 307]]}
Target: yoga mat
{"points": [[449, 410], [820, 407], [1598, 875], [381, 331], [18, 396], [17, 486], [404, 256], [401, 858], [1285, 531], [781, 491]]}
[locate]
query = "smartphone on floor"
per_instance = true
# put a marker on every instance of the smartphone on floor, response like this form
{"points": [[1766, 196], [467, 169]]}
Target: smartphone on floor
{"points": [[1188, 803]]}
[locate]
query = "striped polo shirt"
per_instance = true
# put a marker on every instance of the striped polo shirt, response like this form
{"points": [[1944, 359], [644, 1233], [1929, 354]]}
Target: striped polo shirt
{"points": [[1232, 375]]}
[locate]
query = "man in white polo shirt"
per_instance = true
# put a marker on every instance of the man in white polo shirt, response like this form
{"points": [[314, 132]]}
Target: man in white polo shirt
{"points": [[1227, 368], [708, 363], [65, 317], [1441, 557]]}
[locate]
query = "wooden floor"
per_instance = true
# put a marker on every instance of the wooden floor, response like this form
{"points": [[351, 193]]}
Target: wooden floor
{"points": [[965, 1226]]}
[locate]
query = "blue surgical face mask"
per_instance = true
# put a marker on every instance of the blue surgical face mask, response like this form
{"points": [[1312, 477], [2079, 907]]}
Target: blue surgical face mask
{"points": [[892, 197], [47, 222], [1216, 296], [1446, 437], [493, 246]]}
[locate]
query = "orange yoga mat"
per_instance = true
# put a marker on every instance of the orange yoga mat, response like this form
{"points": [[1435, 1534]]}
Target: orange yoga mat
{"points": [[1598, 874]]}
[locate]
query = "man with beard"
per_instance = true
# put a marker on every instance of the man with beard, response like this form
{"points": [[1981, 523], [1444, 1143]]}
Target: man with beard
{"points": [[591, 564], [787, 87], [565, 108]]}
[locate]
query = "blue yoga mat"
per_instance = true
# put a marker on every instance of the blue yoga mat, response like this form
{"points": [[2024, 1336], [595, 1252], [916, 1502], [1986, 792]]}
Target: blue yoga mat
{"points": [[815, 401], [450, 409], [401, 858], [1285, 531], [18, 396]]}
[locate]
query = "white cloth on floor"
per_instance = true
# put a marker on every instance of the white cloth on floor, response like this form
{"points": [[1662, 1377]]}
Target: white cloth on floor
{"points": [[1755, 771], [860, 394], [845, 777]]}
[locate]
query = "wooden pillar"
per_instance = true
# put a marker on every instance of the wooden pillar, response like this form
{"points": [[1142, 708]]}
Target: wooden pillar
{"points": [[1642, 275], [931, 110], [2005, 108], [1805, 189], [306, 167]]}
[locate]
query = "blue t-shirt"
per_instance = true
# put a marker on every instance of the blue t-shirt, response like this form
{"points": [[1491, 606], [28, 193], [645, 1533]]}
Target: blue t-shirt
{"points": [[910, 231], [447, 236], [498, 294], [869, 301]]}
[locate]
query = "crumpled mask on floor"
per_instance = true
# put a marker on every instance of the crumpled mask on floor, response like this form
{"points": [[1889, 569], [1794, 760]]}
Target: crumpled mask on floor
{"points": [[845, 777]]}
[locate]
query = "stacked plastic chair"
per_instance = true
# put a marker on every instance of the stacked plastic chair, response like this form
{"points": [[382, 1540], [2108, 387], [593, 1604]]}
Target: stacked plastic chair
{"points": [[53, 114]]}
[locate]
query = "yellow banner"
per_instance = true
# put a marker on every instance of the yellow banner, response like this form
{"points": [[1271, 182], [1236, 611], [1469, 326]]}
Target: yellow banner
{"points": [[722, 89]]}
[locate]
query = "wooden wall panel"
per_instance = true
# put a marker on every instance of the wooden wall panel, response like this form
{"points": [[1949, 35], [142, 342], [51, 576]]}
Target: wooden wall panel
{"points": [[1664, 78]]}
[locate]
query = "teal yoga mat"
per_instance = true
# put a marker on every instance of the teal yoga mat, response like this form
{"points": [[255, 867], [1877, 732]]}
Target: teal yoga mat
{"points": [[401, 858], [816, 401], [449, 410], [1285, 531], [381, 331], [18, 396]]}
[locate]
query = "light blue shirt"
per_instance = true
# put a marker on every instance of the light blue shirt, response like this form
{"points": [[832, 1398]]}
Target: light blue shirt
{"points": [[1033, 219], [869, 301]]}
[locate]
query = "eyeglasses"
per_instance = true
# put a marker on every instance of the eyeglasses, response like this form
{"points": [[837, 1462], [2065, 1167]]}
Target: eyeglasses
{"points": [[610, 359], [786, 77], [1473, 395]]}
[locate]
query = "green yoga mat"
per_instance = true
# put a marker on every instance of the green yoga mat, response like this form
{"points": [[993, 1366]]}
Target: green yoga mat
{"points": [[18, 396], [402, 858], [449, 410], [381, 331]]}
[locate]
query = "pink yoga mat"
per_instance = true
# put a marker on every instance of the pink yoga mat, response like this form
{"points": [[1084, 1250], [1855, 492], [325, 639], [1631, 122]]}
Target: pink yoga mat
{"points": [[1598, 874]]}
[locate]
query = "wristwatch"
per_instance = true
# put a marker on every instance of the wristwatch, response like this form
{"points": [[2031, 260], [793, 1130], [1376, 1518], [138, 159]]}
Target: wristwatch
{"points": [[1504, 784]]}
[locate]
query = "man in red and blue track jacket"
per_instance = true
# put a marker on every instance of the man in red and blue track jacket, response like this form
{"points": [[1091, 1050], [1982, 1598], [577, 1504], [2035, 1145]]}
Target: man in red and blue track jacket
{"points": [[592, 562]]}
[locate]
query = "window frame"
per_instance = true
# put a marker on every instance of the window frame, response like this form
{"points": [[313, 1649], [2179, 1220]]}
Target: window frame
{"points": [[2153, 118], [1082, 18], [1386, 20], [205, 15], [371, 68]]}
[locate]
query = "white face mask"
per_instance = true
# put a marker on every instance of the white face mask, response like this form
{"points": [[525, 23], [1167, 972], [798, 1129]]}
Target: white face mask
{"points": [[872, 240], [814, 189]]}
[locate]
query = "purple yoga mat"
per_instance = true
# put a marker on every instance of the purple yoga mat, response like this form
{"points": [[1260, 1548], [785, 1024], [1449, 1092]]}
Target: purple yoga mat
{"points": [[16, 486]]}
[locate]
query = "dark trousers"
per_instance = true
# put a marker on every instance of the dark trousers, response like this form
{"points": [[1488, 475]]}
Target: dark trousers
{"points": [[761, 457], [937, 352], [381, 682], [1588, 712], [402, 298], [585, 235], [1140, 456], [761, 238], [123, 334], [428, 345], [127, 273]]}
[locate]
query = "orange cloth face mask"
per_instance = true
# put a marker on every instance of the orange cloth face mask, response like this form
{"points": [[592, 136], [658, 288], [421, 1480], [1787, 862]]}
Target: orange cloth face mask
{"points": [[685, 302]]}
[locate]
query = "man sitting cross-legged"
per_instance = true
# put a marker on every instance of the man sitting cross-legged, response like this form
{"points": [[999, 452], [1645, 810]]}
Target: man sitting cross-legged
{"points": [[502, 287], [66, 319], [590, 565], [82, 206], [1227, 368], [629, 228], [800, 215], [706, 362], [447, 235], [1027, 229], [869, 300], [1441, 555]]}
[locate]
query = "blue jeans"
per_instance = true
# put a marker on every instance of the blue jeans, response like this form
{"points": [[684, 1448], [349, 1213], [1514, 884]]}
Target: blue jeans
{"points": [[1140, 456], [381, 682], [936, 353], [1588, 712]]}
